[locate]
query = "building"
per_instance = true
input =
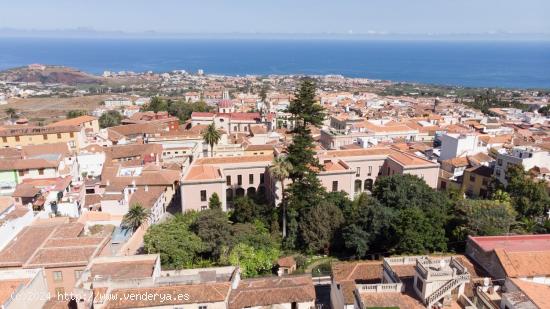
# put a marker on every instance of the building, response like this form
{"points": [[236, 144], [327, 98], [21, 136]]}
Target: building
{"points": [[113, 103], [525, 257], [459, 145], [89, 123], [292, 292], [59, 247], [476, 181], [73, 135], [106, 280], [13, 218], [402, 282], [22, 288], [527, 157], [228, 177]]}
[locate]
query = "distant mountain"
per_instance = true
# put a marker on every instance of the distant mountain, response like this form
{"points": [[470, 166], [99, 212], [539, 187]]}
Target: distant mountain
{"points": [[37, 73]]}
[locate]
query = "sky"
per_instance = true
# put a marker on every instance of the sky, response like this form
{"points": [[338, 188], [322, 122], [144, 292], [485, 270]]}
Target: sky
{"points": [[280, 16]]}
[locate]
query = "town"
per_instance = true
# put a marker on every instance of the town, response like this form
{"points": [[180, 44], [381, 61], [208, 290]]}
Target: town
{"points": [[194, 190]]}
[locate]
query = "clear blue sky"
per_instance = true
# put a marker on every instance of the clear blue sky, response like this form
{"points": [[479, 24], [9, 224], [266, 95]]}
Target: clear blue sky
{"points": [[280, 16]]}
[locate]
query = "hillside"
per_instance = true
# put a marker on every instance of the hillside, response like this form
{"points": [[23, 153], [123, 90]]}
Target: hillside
{"points": [[49, 75]]}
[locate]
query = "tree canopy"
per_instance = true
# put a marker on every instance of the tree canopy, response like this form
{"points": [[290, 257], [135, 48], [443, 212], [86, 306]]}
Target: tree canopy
{"points": [[110, 119]]}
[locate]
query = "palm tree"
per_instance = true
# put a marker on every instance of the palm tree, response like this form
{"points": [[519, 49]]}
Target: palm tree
{"points": [[211, 136], [280, 169], [12, 112], [136, 216]]}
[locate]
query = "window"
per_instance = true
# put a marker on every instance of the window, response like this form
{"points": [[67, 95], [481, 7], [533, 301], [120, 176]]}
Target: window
{"points": [[17, 139], [77, 274], [203, 307], [334, 186], [21, 172], [370, 171], [40, 171], [4, 139], [239, 180], [262, 178], [497, 172], [472, 178], [58, 135], [485, 181], [358, 171], [228, 180], [203, 195], [357, 185], [250, 179], [499, 162], [57, 276], [45, 136], [203, 207]]}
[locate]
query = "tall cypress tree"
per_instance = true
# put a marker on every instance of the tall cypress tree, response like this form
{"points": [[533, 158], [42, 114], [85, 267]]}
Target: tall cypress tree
{"points": [[305, 190]]}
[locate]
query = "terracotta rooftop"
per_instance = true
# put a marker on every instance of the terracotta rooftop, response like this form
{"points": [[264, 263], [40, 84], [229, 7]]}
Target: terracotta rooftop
{"points": [[271, 291], [524, 264], [539, 294], [147, 198], [124, 270], [240, 159], [203, 172], [77, 121], [7, 165], [9, 287], [28, 130], [51, 243], [198, 294]]}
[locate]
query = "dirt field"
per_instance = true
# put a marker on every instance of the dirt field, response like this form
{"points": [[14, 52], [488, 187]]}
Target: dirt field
{"points": [[50, 109]]}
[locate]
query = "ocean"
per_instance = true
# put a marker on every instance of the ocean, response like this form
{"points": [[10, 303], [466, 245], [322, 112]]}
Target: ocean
{"points": [[459, 63]]}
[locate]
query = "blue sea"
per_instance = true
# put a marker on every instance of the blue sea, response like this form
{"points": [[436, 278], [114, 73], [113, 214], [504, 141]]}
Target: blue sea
{"points": [[512, 64]]}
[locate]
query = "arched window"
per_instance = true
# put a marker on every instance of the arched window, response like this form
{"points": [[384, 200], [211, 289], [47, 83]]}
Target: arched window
{"points": [[251, 191], [368, 184], [239, 192], [358, 184], [229, 195]]}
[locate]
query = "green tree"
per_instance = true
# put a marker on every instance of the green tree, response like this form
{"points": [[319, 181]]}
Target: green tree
{"points": [[422, 213], [214, 229], [177, 245], [367, 225], [211, 136], [136, 216], [244, 210], [214, 201], [110, 119], [306, 190], [156, 105], [412, 232], [252, 261], [486, 217], [529, 197], [280, 170], [12, 113], [76, 113], [305, 111], [319, 226]]}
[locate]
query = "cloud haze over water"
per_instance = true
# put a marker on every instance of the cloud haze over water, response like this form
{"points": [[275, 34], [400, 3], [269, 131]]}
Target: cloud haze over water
{"points": [[344, 17]]}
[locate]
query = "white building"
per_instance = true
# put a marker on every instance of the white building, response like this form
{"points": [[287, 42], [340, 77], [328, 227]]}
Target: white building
{"points": [[528, 157], [459, 145]]}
